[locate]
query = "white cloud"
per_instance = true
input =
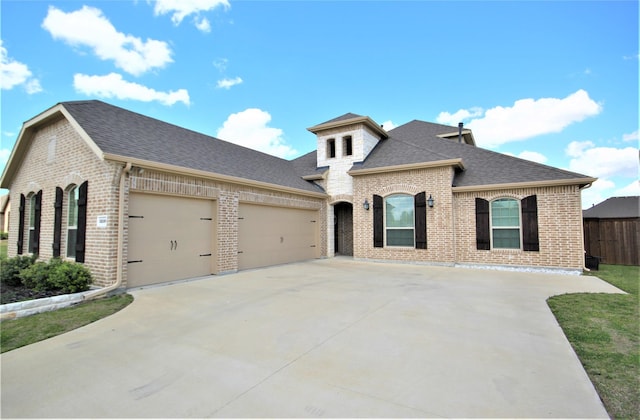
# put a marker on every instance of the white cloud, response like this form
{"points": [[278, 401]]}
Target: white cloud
{"points": [[525, 119], [4, 156], [458, 116], [250, 128], [179, 9], [88, 27], [221, 64], [228, 83], [603, 162], [630, 190], [14, 73], [203, 25], [597, 193], [631, 136], [113, 86], [388, 125]]}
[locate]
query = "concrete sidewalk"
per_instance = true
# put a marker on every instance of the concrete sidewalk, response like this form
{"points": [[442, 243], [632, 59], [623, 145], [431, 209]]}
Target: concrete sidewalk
{"points": [[326, 338]]}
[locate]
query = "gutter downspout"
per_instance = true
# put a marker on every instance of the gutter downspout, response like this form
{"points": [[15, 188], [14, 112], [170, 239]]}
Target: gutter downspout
{"points": [[584, 251], [120, 245]]}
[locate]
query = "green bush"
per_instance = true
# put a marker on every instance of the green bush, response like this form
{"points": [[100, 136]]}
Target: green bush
{"points": [[4, 235], [10, 269], [36, 276], [69, 277]]}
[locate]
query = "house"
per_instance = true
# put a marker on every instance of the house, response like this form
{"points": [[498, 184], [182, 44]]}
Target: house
{"points": [[141, 201], [612, 230]]}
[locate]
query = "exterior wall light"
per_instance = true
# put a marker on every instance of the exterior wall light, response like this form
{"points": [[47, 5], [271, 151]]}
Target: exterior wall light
{"points": [[365, 205], [430, 201]]}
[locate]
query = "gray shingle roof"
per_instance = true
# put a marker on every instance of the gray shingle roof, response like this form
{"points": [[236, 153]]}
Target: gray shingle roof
{"points": [[121, 132], [346, 116], [614, 208], [418, 141]]}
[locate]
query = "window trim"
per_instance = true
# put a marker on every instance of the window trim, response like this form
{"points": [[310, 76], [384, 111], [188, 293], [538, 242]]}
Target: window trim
{"points": [[73, 189], [491, 227]]}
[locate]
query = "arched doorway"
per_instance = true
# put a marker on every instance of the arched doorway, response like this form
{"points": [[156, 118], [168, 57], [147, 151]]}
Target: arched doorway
{"points": [[343, 228]]}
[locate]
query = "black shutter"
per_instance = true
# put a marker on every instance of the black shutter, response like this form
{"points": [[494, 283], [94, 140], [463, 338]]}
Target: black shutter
{"points": [[420, 210], [530, 240], [483, 235], [35, 246], [82, 221], [57, 222], [21, 224], [378, 222]]}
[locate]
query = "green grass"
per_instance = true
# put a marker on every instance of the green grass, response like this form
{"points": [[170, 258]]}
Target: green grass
{"points": [[3, 248], [24, 331], [604, 331]]}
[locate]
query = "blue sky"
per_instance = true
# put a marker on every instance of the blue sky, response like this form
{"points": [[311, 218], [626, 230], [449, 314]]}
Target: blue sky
{"points": [[553, 82]]}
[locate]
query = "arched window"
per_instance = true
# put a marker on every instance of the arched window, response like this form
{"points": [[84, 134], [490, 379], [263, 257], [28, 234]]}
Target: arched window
{"points": [[505, 223], [399, 220], [35, 205]]}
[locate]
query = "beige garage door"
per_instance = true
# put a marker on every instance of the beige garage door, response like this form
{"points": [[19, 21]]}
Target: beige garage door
{"points": [[276, 235], [170, 238]]}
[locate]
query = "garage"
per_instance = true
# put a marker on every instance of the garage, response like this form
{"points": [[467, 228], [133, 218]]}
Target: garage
{"points": [[276, 235], [170, 238]]}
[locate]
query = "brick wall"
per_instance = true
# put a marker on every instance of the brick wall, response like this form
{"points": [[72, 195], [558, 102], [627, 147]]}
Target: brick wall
{"points": [[559, 224], [435, 182], [58, 157]]}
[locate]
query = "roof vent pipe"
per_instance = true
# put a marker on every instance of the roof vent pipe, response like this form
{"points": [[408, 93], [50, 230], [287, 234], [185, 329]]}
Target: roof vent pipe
{"points": [[460, 125]]}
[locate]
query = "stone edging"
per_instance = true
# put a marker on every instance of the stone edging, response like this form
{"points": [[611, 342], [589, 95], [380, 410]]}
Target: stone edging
{"points": [[36, 306]]}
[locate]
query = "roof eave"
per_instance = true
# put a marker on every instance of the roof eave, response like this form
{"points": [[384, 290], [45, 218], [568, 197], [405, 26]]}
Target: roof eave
{"points": [[377, 129], [147, 164], [456, 163], [581, 182]]}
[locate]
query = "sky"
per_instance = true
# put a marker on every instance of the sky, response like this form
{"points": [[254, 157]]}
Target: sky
{"points": [[552, 82]]}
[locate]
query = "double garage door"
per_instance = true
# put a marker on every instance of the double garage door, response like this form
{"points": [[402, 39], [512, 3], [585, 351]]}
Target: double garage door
{"points": [[172, 238]]}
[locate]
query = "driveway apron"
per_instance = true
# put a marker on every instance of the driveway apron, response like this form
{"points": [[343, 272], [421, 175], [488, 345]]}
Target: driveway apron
{"points": [[325, 338]]}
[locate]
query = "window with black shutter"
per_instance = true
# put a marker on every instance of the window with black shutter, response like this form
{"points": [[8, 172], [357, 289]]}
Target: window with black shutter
{"points": [[420, 209], [530, 240], [483, 231], [82, 222], [21, 224], [34, 222], [378, 222], [57, 222]]}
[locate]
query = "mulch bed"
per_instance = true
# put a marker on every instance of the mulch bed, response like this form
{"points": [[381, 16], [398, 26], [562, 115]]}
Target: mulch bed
{"points": [[11, 294]]}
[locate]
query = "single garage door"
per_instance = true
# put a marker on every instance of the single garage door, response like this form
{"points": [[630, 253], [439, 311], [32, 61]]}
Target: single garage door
{"points": [[170, 238], [276, 235]]}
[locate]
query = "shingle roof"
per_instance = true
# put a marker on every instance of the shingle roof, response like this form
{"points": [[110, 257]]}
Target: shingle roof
{"points": [[124, 133], [418, 141], [614, 208], [346, 116]]}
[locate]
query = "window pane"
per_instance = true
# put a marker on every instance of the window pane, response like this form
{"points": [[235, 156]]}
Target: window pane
{"points": [[32, 211], [506, 238], [73, 207], [505, 212], [71, 243], [399, 211], [400, 237]]}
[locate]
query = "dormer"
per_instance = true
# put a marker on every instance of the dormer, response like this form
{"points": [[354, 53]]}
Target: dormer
{"points": [[461, 136], [348, 138]]}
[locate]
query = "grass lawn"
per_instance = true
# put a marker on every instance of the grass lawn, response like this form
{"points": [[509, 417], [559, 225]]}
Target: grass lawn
{"points": [[23, 331], [604, 331], [3, 247]]}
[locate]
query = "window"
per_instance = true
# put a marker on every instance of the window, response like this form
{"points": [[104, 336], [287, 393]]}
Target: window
{"points": [[331, 148], [72, 221], [505, 223], [399, 220], [32, 222], [348, 146]]}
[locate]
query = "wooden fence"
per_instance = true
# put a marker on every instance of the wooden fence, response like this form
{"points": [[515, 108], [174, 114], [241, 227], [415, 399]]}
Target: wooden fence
{"points": [[615, 241]]}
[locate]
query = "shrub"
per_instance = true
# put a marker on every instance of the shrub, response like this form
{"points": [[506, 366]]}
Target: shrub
{"points": [[4, 235], [36, 276], [10, 269], [69, 277]]}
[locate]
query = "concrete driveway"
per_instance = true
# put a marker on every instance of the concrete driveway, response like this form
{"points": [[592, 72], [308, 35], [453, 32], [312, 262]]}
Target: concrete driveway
{"points": [[326, 338]]}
